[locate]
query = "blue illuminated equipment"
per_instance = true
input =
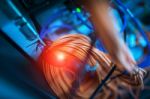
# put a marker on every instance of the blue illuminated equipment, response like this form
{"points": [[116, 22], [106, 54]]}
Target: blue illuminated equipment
{"points": [[144, 42], [134, 19]]}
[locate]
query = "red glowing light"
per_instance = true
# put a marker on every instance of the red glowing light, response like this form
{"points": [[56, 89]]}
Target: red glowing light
{"points": [[60, 56]]}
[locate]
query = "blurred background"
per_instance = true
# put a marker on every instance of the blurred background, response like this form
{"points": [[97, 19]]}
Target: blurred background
{"points": [[25, 25]]}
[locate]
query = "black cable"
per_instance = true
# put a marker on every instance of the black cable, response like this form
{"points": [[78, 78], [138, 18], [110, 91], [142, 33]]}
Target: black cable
{"points": [[99, 88], [115, 77]]}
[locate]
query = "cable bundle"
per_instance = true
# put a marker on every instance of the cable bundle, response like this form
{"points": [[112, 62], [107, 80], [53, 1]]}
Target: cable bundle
{"points": [[72, 49]]}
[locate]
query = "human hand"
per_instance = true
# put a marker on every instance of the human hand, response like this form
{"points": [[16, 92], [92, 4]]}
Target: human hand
{"points": [[123, 58]]}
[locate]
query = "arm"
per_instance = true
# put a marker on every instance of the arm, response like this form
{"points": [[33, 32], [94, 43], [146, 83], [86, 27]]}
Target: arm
{"points": [[105, 30]]}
